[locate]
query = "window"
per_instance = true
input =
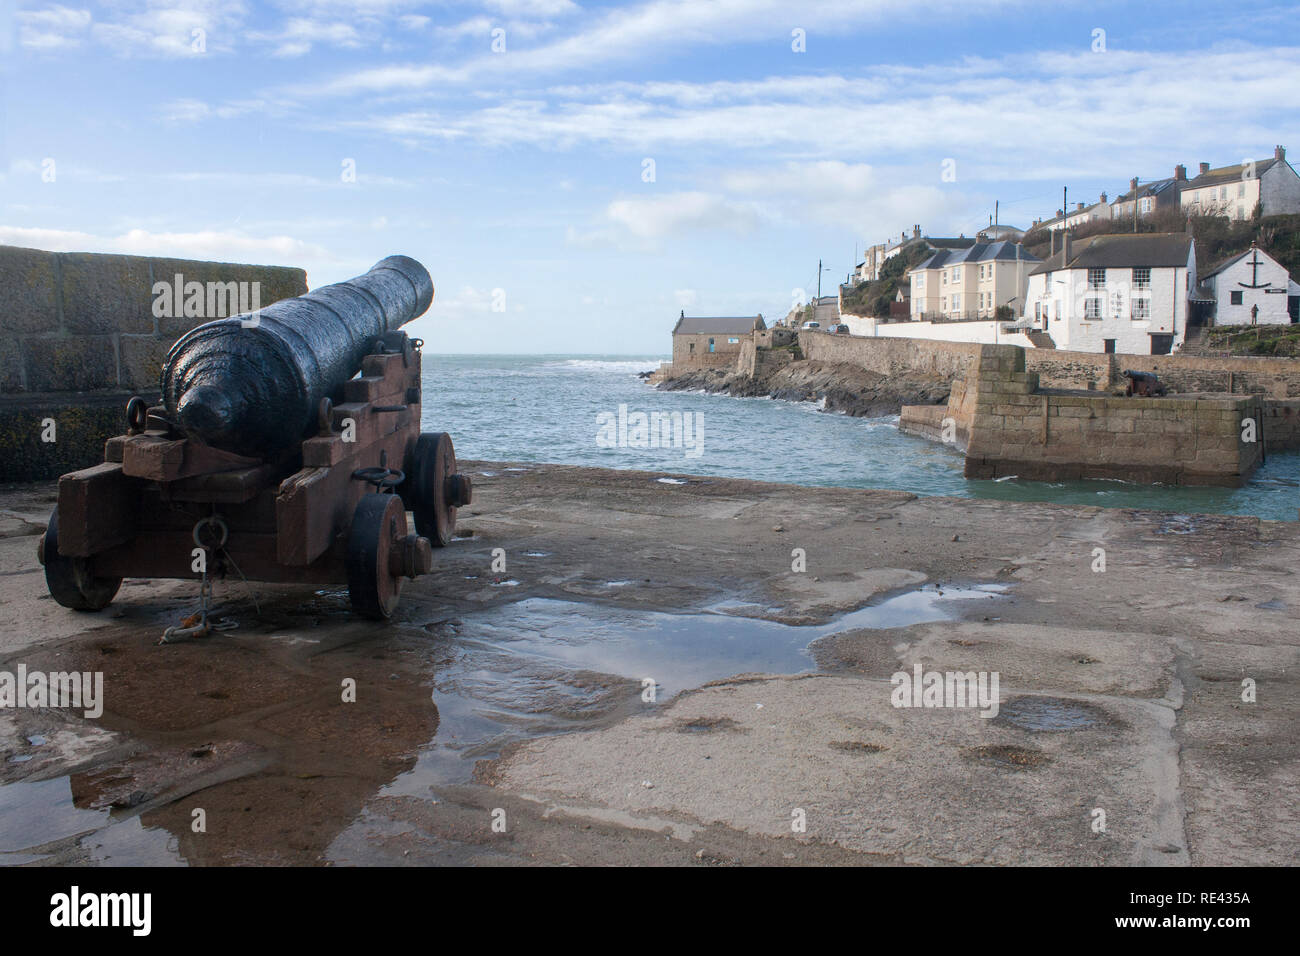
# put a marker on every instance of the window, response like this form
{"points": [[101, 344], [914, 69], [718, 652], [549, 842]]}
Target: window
{"points": [[956, 273], [943, 303], [1241, 190], [944, 281], [1235, 297], [920, 280], [1038, 311], [1141, 309], [956, 302], [1109, 346], [710, 345], [1141, 278], [1092, 307], [732, 341], [1223, 192], [1096, 278], [1146, 205]]}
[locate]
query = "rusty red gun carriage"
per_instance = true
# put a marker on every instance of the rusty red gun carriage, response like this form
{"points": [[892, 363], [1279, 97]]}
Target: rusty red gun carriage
{"points": [[270, 455]]}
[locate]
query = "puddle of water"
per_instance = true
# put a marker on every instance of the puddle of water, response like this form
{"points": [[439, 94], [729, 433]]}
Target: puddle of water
{"points": [[1049, 714], [679, 651], [33, 813]]}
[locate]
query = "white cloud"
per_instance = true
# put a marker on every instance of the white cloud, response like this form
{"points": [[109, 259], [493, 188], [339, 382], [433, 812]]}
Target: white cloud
{"points": [[54, 28], [166, 28], [209, 244]]}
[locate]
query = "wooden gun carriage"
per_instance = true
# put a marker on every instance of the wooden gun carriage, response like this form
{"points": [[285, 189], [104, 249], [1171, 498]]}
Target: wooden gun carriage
{"points": [[329, 508]]}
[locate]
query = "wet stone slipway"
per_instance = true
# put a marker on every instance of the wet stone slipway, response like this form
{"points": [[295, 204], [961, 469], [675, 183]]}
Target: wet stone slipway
{"points": [[650, 681]]}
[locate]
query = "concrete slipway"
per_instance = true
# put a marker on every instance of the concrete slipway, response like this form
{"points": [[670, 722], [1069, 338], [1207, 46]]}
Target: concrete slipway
{"points": [[520, 696]]}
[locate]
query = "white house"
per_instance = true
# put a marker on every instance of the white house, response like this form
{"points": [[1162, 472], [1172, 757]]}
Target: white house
{"points": [[1250, 289], [1114, 293], [1234, 191]]}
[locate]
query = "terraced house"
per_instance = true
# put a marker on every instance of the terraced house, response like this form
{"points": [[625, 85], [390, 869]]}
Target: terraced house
{"points": [[1235, 191], [1122, 293], [971, 283]]}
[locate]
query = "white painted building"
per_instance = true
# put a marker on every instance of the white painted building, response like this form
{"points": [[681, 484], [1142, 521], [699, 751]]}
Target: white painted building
{"points": [[1250, 289], [1114, 293], [1234, 191]]}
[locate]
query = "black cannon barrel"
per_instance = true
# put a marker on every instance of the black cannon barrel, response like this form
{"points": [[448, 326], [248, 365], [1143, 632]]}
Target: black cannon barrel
{"points": [[252, 384]]}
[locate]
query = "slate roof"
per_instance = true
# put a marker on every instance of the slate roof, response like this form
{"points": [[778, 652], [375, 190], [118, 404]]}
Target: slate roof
{"points": [[1003, 250], [718, 324], [1146, 190], [1229, 174], [1123, 251]]}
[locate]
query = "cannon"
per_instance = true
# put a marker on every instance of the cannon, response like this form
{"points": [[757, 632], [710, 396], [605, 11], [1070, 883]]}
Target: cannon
{"points": [[269, 456], [1143, 385]]}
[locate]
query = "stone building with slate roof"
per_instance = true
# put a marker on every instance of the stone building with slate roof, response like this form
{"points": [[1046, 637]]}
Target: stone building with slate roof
{"points": [[711, 341]]}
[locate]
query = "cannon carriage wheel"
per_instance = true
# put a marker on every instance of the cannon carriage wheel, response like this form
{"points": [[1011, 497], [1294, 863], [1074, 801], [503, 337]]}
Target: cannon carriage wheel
{"points": [[374, 542], [72, 581], [433, 490]]}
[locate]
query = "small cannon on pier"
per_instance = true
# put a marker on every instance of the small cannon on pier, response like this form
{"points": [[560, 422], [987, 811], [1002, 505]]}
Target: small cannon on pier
{"points": [[270, 456], [1143, 385]]}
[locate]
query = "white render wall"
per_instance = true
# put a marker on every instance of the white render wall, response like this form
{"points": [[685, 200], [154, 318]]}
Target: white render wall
{"points": [[983, 333], [1069, 329], [1272, 306]]}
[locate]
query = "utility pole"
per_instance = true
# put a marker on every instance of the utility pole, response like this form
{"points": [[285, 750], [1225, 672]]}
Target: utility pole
{"points": [[996, 203], [1065, 205], [1135, 204], [819, 279]]}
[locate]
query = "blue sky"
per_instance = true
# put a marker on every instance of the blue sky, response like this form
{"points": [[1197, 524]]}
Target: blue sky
{"points": [[519, 176]]}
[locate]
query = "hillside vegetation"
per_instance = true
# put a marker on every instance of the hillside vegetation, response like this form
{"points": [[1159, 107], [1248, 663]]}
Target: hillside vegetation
{"points": [[1276, 340], [873, 298]]}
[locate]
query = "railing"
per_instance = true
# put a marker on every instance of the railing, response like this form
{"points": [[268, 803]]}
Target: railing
{"points": [[985, 315]]}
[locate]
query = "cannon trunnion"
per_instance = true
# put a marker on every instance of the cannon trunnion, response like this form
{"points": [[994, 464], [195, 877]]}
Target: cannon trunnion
{"points": [[327, 508]]}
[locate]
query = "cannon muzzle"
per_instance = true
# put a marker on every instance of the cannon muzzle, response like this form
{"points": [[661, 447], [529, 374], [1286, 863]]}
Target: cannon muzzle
{"points": [[252, 384]]}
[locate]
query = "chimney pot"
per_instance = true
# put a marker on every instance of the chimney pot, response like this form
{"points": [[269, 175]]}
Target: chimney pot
{"points": [[1205, 168], [1180, 172]]}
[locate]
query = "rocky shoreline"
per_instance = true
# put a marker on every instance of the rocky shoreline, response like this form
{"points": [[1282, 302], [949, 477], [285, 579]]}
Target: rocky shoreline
{"points": [[840, 387]]}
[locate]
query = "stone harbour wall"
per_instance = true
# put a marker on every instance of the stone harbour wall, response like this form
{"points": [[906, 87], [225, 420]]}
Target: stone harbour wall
{"points": [[1008, 426], [78, 337]]}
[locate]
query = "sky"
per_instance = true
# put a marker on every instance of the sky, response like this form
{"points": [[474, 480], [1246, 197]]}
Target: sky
{"points": [[574, 174]]}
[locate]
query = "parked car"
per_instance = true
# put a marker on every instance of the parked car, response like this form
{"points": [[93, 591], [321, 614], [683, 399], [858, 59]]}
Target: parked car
{"points": [[811, 325], [840, 329]]}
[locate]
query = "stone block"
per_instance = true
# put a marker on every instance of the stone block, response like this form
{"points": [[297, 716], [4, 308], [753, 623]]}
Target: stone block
{"points": [[75, 363], [106, 294], [142, 357], [28, 291]]}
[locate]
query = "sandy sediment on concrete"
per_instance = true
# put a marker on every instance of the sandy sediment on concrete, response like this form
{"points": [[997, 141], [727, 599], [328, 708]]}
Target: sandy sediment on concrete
{"points": [[1146, 661]]}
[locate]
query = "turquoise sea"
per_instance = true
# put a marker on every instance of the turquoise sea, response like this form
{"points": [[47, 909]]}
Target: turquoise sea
{"points": [[549, 408]]}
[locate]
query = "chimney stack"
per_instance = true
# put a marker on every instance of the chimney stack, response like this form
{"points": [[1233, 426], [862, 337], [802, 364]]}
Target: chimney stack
{"points": [[1279, 153], [1103, 199], [1133, 185], [1205, 168], [916, 232], [1078, 206], [1180, 173]]}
